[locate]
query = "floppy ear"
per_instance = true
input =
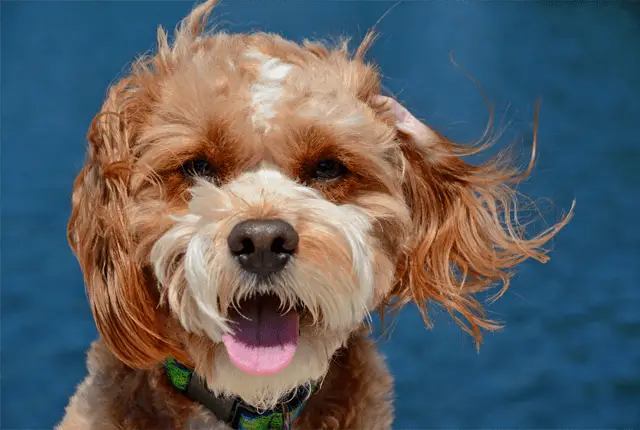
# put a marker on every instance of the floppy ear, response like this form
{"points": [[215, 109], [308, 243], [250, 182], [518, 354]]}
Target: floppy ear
{"points": [[98, 231], [123, 299], [466, 234]]}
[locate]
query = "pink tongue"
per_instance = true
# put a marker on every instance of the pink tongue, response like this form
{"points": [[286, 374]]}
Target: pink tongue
{"points": [[264, 341]]}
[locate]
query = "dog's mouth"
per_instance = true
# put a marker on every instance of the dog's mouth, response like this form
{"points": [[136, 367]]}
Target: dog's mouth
{"points": [[265, 336]]}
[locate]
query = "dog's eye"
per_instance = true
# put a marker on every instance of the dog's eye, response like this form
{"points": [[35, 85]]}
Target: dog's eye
{"points": [[197, 167], [329, 169]]}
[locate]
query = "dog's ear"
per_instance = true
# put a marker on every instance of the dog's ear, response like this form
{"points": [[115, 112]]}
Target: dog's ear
{"points": [[99, 233], [123, 299], [466, 235]]}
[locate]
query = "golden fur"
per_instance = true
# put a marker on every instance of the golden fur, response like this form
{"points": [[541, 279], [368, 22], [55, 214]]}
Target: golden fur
{"points": [[263, 110]]}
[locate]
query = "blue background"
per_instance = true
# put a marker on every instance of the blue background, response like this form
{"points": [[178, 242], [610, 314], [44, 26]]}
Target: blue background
{"points": [[569, 356]]}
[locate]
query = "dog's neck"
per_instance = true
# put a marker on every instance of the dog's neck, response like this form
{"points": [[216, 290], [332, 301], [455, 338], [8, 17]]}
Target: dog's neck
{"points": [[236, 413], [356, 393]]}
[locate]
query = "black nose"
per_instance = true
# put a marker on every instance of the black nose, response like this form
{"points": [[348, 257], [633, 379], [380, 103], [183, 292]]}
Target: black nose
{"points": [[263, 246]]}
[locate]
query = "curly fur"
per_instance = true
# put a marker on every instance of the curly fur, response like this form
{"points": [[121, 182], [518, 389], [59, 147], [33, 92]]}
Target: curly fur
{"points": [[412, 222]]}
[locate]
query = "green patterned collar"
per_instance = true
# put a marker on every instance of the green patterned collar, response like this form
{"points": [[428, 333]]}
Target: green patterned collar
{"points": [[235, 412]]}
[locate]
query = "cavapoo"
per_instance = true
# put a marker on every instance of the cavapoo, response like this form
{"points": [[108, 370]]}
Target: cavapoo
{"points": [[246, 204]]}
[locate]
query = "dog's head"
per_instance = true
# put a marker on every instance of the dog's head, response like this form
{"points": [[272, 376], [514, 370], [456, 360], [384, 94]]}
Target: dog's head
{"points": [[248, 202]]}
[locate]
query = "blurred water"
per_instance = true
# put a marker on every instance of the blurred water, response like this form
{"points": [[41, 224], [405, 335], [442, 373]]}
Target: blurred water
{"points": [[569, 356]]}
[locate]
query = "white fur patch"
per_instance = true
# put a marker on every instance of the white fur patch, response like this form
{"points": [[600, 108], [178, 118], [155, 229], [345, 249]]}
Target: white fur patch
{"points": [[267, 91]]}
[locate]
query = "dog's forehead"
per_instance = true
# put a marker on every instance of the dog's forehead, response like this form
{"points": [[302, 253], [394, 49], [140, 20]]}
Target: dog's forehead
{"points": [[264, 84]]}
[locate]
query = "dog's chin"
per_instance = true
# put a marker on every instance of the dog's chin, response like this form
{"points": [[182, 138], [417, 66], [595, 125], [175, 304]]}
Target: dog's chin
{"points": [[274, 349]]}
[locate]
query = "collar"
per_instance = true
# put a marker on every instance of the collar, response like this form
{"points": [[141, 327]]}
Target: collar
{"points": [[234, 411]]}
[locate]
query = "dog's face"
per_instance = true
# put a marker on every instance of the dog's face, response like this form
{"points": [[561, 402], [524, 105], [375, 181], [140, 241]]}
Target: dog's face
{"points": [[248, 202]]}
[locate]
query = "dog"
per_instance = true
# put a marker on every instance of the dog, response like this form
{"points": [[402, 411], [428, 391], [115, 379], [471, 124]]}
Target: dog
{"points": [[247, 203]]}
